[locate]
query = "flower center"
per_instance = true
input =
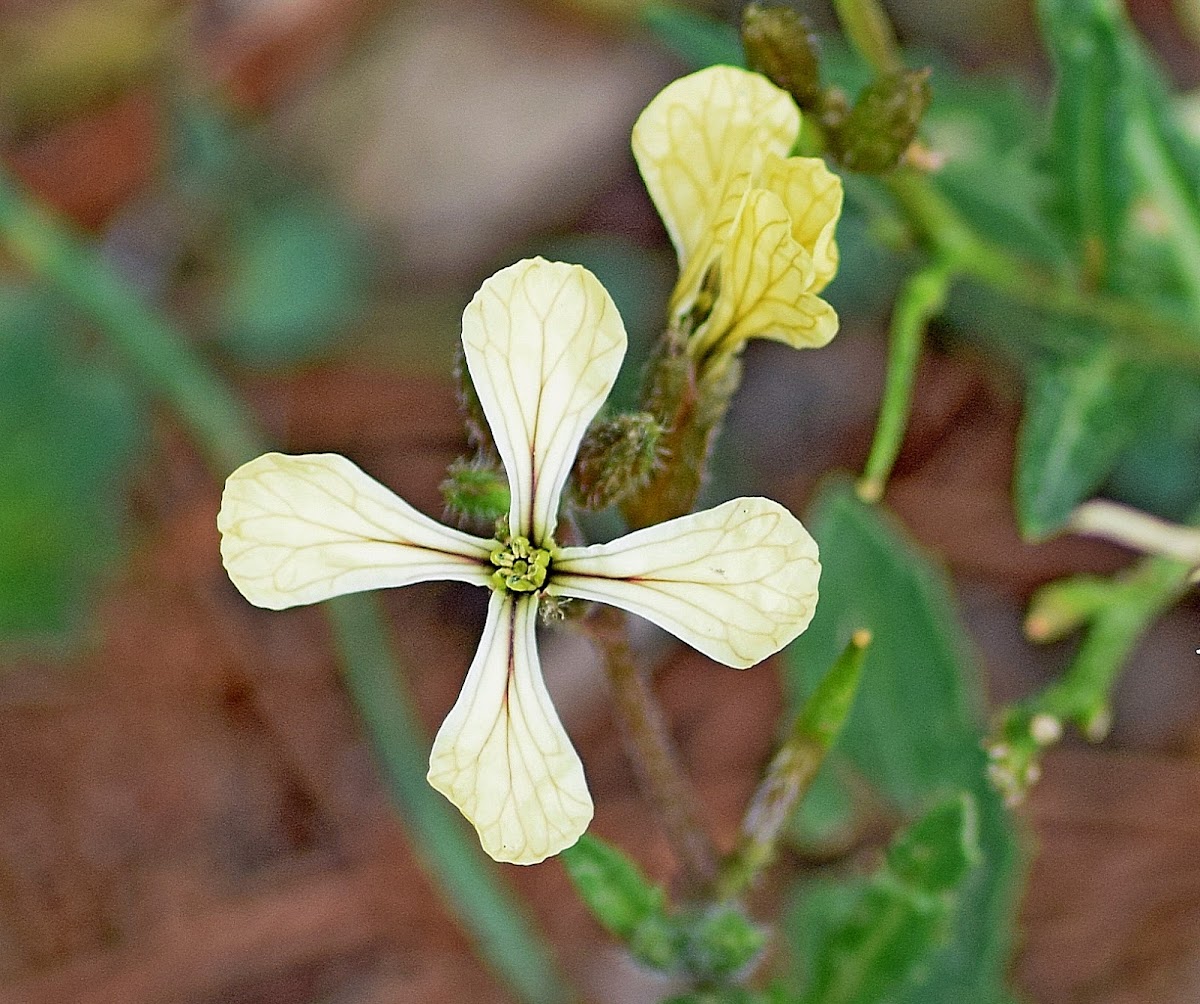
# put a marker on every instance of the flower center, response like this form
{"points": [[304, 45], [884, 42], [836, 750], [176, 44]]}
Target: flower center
{"points": [[520, 567]]}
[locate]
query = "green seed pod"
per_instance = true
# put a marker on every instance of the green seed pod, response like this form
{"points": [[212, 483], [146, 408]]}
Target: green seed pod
{"points": [[615, 458], [780, 45], [883, 122]]}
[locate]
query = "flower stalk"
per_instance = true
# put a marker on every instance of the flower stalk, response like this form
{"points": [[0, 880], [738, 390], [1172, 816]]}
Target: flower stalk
{"points": [[652, 751], [922, 297], [793, 769]]}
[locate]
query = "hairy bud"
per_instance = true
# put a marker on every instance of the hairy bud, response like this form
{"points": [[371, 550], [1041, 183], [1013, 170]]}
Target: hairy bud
{"points": [[874, 134], [616, 458], [780, 45], [476, 490]]}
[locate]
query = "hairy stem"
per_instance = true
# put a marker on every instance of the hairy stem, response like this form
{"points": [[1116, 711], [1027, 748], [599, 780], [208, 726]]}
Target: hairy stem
{"points": [[652, 751]]}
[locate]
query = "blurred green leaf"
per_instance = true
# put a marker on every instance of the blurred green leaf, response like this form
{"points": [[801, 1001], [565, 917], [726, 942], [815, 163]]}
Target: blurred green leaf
{"points": [[915, 730], [698, 40], [296, 272], [1128, 177], [1126, 195], [624, 901], [69, 432], [1079, 414], [988, 129], [1160, 469], [709, 945], [720, 942], [884, 934], [616, 892], [826, 816], [936, 852]]}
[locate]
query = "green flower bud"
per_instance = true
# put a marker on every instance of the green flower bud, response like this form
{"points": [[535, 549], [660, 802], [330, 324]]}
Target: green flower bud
{"points": [[615, 458], [780, 45], [476, 489], [883, 122]]}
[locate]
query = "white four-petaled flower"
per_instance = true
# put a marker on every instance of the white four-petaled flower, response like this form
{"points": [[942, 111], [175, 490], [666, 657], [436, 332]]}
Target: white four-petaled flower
{"points": [[543, 344]]}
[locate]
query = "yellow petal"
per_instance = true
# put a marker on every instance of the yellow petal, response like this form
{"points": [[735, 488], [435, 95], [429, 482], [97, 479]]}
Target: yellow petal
{"points": [[766, 284], [812, 195], [502, 755], [698, 144], [737, 582], [544, 342], [302, 529]]}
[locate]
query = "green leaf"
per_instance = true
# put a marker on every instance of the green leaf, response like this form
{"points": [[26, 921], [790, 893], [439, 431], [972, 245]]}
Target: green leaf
{"points": [[1079, 415], [698, 40], [1128, 177], [624, 902], [916, 727], [1160, 469], [988, 130], [616, 892], [720, 942], [69, 432], [896, 921], [935, 853], [296, 272], [726, 995]]}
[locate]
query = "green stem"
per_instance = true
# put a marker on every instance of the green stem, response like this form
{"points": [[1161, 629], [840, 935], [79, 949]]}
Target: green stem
{"points": [[652, 751], [921, 298], [1081, 695], [1118, 616], [170, 371], [869, 29], [1141, 332]]}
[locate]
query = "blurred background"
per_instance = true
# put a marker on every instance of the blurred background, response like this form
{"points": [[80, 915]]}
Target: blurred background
{"points": [[312, 190]]}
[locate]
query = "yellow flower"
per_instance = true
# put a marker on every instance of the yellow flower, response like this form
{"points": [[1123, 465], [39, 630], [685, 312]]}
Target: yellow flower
{"points": [[753, 227], [543, 342]]}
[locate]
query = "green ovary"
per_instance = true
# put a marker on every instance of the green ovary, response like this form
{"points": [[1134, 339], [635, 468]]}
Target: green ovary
{"points": [[520, 567]]}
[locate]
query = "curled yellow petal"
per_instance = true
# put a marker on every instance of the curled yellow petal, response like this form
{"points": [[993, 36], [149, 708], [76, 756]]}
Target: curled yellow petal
{"points": [[767, 278], [543, 342], [301, 529], [698, 144], [502, 756], [812, 195], [737, 582]]}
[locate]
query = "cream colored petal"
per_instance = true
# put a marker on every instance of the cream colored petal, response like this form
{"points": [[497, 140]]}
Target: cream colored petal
{"points": [[502, 755], [543, 341], [813, 197], [301, 529], [697, 145], [766, 285], [737, 582]]}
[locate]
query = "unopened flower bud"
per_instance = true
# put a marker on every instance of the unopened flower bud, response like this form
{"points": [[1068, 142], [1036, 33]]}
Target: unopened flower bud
{"points": [[476, 490], [615, 458], [883, 122], [780, 45]]}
